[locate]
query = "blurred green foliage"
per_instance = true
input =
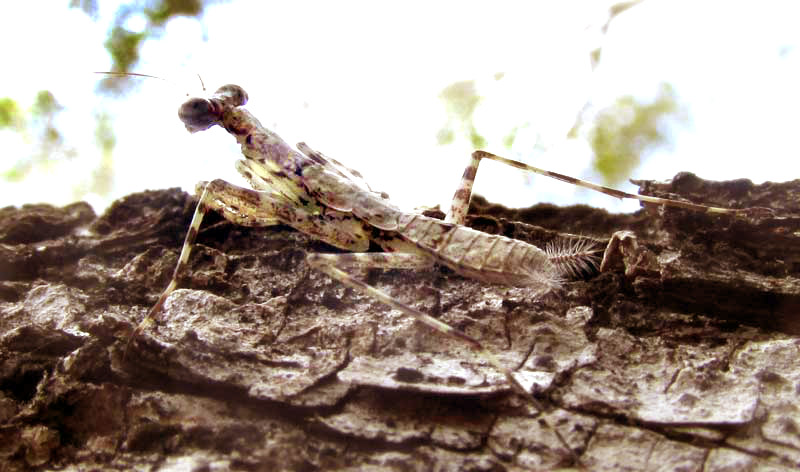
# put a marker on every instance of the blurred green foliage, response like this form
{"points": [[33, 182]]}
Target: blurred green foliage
{"points": [[460, 101], [613, 11], [10, 115], [622, 133], [38, 127], [619, 135], [103, 176], [123, 45], [87, 6], [101, 180]]}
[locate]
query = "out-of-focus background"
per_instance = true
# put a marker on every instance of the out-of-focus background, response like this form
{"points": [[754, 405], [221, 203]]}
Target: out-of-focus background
{"points": [[403, 92]]}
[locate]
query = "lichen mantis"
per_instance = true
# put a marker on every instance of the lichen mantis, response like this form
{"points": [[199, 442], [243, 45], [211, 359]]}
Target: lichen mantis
{"points": [[313, 193]]}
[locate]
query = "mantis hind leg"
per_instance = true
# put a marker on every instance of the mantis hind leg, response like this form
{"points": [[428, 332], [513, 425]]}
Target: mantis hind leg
{"points": [[460, 205], [333, 265], [463, 195]]}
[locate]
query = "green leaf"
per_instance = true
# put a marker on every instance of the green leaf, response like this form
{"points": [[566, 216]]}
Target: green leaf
{"points": [[477, 141], [123, 45], [622, 133], [509, 139], [45, 105], [104, 133], [446, 135], [87, 6], [461, 99], [10, 115], [166, 9]]}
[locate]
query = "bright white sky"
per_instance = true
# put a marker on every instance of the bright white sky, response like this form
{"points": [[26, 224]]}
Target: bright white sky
{"points": [[359, 81]]}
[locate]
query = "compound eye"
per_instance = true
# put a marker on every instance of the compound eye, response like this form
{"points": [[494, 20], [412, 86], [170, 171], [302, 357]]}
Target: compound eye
{"points": [[198, 114], [232, 95]]}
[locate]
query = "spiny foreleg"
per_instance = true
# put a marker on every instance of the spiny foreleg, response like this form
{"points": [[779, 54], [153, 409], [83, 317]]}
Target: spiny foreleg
{"points": [[213, 196], [246, 207]]}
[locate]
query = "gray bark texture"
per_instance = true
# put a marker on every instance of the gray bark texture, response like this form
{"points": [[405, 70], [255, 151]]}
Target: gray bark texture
{"points": [[684, 356]]}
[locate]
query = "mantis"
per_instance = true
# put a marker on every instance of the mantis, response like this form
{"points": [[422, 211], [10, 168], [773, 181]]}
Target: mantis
{"points": [[315, 194]]}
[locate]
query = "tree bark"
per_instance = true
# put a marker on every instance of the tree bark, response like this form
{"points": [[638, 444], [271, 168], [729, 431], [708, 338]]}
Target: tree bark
{"points": [[684, 356]]}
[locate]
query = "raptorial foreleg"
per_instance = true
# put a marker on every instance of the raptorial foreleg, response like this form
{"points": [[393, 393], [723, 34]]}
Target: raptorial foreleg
{"points": [[247, 207]]}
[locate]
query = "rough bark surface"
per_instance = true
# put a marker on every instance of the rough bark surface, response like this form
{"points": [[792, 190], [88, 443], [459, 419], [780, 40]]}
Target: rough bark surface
{"points": [[683, 357]]}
